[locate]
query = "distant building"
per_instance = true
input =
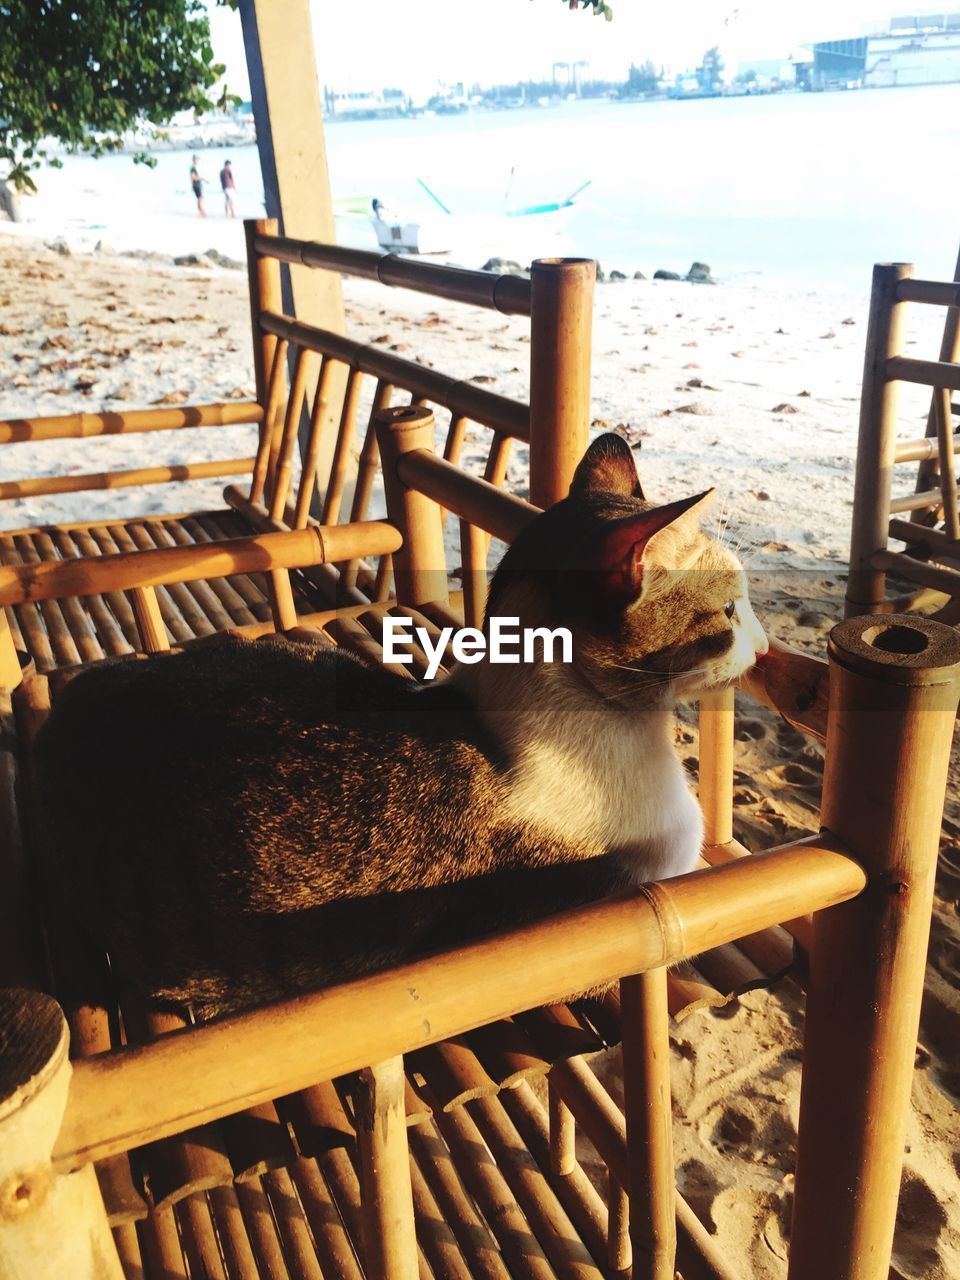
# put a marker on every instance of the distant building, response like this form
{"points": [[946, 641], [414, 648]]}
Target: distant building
{"points": [[839, 64], [916, 50]]}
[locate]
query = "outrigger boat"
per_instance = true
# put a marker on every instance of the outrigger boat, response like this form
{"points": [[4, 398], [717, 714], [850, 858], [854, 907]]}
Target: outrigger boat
{"points": [[449, 231]]}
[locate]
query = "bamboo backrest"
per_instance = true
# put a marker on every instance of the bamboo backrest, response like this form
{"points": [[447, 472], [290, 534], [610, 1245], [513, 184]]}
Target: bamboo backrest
{"points": [[339, 474], [926, 520]]}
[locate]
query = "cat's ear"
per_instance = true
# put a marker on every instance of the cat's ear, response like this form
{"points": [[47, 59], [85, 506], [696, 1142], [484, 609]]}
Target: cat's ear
{"points": [[634, 545], [607, 467]]}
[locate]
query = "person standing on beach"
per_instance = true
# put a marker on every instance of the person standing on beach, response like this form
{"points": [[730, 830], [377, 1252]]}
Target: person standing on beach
{"points": [[229, 186], [196, 182]]}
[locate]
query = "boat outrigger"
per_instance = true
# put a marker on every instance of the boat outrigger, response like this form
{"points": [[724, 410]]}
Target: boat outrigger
{"points": [[442, 234]]}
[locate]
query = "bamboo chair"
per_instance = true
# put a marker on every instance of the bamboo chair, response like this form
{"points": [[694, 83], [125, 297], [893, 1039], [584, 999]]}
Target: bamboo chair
{"points": [[926, 521], [390, 1127]]}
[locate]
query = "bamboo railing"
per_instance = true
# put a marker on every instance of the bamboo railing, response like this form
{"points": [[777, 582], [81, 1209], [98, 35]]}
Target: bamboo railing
{"points": [[930, 556]]}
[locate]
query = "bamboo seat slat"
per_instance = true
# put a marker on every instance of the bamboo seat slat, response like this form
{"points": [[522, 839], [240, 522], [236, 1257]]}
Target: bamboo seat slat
{"points": [[160, 1247], [199, 1238], [568, 1255], [335, 1250], [574, 1190], [261, 1230], [232, 1234], [50, 640], [103, 609], [128, 1251], [292, 1229], [121, 1198]]}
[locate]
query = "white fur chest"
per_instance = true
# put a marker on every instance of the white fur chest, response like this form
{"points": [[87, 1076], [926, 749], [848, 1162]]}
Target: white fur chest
{"points": [[606, 781]]}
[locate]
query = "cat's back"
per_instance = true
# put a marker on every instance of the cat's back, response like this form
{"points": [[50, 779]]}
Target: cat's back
{"points": [[234, 766]]}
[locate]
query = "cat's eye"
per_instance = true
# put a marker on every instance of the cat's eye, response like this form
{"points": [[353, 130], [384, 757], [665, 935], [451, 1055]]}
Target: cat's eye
{"points": [[730, 608]]}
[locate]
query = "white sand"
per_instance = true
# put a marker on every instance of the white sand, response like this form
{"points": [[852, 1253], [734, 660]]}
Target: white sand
{"points": [[752, 389]]}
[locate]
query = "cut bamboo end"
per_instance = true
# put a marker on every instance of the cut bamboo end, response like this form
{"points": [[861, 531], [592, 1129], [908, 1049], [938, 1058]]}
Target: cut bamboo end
{"points": [[51, 1225]]}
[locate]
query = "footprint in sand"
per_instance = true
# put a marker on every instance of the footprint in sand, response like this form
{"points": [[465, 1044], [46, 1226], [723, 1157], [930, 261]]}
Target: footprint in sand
{"points": [[797, 775], [920, 1220], [750, 731]]}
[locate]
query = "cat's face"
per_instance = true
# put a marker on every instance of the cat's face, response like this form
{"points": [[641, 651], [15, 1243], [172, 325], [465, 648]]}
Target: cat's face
{"points": [[658, 609]]}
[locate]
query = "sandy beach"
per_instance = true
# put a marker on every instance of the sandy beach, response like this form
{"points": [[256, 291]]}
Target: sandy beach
{"points": [[752, 388]]}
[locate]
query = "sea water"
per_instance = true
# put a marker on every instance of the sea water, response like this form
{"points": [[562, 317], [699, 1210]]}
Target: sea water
{"points": [[811, 187]]}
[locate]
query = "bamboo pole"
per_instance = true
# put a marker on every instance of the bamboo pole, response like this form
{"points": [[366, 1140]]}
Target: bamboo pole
{"points": [[124, 479], [420, 564], [716, 766], [948, 464], [263, 275], [319, 418], [77, 426], [226, 591], [646, 1090], [925, 373], [161, 565], [333, 495], [276, 390], [51, 1225], [474, 500], [895, 686], [923, 450], [505, 293], [122, 1099], [879, 401], [367, 466], [619, 1250], [563, 1134], [389, 1236], [561, 314]]}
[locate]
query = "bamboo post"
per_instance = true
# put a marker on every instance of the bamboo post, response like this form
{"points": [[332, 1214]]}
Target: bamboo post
{"points": [[265, 295], [561, 315], [389, 1236], [420, 564], [646, 1093], [879, 401], [51, 1225], [895, 682], [716, 765], [563, 1134]]}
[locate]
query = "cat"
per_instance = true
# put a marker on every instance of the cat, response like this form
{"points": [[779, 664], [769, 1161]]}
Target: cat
{"points": [[247, 821]]}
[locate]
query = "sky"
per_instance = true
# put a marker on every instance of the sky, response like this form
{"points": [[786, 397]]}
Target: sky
{"points": [[414, 44]]}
